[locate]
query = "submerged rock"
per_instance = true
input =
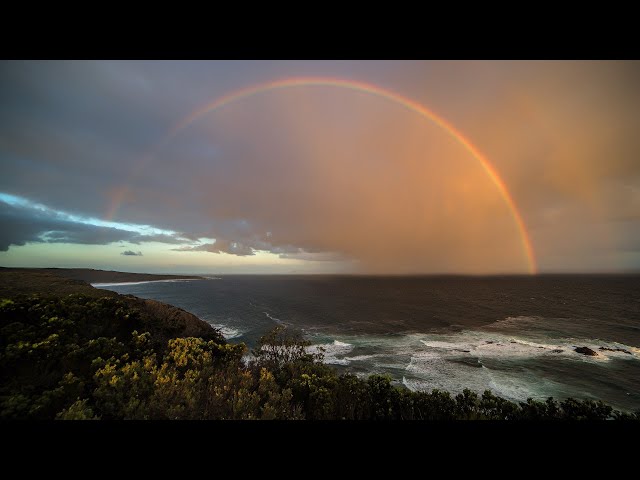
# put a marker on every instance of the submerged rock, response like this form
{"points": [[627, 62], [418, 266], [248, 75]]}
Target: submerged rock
{"points": [[586, 351], [616, 350]]}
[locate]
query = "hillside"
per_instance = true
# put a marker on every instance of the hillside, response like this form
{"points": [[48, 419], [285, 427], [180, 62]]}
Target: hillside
{"points": [[162, 320]]}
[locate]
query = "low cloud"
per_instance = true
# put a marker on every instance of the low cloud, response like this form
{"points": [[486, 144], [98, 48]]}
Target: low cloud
{"points": [[21, 224], [160, 238], [314, 256], [131, 253], [220, 246]]}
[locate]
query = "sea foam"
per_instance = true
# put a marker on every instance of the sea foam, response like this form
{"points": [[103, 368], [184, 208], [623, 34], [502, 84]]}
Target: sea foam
{"points": [[271, 317], [332, 351], [227, 331]]}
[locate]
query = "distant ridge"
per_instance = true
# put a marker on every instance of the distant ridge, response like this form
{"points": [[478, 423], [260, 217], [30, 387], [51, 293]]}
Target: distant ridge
{"points": [[90, 275]]}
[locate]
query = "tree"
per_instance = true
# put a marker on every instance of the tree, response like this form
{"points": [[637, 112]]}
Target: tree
{"points": [[280, 347]]}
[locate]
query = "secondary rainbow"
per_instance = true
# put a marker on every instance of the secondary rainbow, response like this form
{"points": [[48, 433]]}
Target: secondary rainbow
{"points": [[350, 85]]}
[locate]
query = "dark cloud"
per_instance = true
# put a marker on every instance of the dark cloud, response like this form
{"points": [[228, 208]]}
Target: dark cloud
{"points": [[21, 224], [161, 238], [220, 246], [131, 253]]}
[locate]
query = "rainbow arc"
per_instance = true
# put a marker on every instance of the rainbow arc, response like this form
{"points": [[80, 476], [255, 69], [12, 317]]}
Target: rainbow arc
{"points": [[350, 85]]}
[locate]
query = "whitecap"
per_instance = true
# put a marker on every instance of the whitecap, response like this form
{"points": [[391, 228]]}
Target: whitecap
{"points": [[332, 352], [277, 320], [497, 346], [430, 370], [359, 358], [227, 331]]}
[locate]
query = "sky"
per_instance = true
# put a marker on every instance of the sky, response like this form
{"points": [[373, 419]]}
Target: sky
{"points": [[375, 167]]}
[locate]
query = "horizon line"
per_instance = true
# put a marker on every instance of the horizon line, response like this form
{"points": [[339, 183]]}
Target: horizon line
{"points": [[343, 274]]}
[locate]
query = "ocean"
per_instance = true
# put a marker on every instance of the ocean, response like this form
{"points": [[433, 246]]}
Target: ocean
{"points": [[513, 335]]}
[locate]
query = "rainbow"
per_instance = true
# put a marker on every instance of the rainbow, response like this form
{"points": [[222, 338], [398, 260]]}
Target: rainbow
{"points": [[350, 85]]}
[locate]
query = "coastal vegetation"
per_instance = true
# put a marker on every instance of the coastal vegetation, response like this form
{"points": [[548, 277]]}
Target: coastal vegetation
{"points": [[80, 356]]}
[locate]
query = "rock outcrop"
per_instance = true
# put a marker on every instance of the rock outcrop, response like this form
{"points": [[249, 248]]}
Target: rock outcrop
{"points": [[586, 351], [616, 350]]}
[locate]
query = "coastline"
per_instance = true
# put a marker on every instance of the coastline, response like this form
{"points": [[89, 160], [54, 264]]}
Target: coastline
{"points": [[110, 284], [91, 276]]}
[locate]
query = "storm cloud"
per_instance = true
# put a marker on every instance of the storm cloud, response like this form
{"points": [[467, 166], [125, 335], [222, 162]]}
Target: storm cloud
{"points": [[323, 174], [131, 253]]}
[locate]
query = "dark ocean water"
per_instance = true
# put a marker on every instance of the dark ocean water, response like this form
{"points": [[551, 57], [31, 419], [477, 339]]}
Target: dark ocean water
{"points": [[512, 335]]}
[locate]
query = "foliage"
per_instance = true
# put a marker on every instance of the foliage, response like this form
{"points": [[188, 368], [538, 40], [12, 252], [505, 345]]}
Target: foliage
{"points": [[279, 348], [78, 358]]}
